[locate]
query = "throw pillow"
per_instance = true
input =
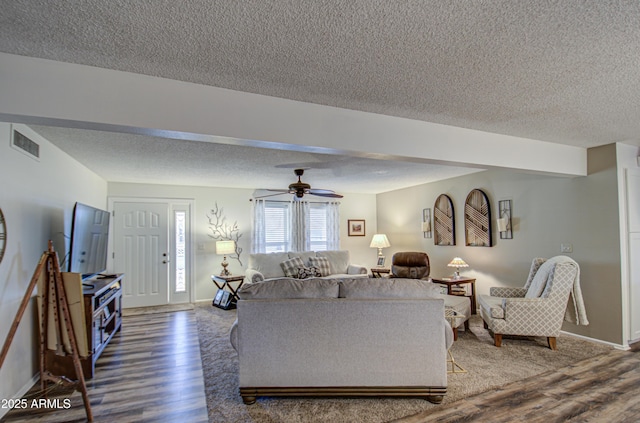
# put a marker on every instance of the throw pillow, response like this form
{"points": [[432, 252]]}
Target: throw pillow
{"points": [[322, 264], [290, 267], [308, 272]]}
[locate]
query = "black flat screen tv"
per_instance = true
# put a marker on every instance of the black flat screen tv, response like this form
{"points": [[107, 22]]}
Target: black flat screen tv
{"points": [[89, 239]]}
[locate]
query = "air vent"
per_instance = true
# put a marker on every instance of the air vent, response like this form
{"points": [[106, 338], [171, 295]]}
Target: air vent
{"points": [[25, 145]]}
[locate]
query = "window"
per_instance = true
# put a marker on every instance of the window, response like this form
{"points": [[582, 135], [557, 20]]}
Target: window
{"points": [[318, 227], [277, 227], [295, 226], [181, 245]]}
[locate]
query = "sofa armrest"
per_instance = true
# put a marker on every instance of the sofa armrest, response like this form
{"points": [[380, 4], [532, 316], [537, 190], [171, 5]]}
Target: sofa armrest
{"points": [[253, 276], [505, 292], [356, 269], [526, 309]]}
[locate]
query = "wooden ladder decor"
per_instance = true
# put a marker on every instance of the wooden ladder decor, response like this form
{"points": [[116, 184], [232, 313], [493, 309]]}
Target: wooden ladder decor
{"points": [[53, 290]]}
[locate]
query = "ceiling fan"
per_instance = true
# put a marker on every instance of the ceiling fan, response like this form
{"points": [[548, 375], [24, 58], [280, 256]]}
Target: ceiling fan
{"points": [[299, 189]]}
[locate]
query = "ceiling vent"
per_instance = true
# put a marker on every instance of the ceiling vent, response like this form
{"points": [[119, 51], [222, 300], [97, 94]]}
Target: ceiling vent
{"points": [[25, 145]]}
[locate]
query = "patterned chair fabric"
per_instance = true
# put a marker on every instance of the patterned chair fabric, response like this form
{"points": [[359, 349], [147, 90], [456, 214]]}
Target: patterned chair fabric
{"points": [[410, 265], [506, 311]]}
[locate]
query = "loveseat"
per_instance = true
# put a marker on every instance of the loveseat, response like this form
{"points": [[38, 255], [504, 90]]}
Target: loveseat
{"points": [[342, 337], [336, 264]]}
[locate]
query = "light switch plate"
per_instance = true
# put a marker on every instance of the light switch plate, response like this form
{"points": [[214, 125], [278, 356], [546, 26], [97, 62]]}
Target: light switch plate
{"points": [[566, 248]]}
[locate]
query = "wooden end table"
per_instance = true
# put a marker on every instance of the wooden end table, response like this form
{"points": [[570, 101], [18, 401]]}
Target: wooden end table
{"points": [[380, 272], [223, 282], [450, 282]]}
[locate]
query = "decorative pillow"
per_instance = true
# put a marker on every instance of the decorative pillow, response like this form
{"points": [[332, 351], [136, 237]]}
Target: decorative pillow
{"points": [[322, 264], [308, 272], [285, 288], [290, 267]]}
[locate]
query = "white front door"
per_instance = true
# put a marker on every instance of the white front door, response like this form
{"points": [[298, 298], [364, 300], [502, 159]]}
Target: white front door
{"points": [[141, 252]]}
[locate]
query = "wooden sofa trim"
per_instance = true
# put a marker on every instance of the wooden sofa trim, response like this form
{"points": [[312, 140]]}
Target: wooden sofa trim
{"points": [[434, 395]]}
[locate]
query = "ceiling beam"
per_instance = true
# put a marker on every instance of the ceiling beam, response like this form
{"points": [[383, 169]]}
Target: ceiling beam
{"points": [[55, 93]]}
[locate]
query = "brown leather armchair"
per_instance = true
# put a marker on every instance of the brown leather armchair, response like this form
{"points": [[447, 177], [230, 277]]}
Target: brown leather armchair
{"points": [[410, 265]]}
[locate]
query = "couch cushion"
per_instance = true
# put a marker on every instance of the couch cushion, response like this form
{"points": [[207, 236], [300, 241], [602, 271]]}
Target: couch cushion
{"points": [[491, 306], [338, 260], [308, 272], [268, 264], [322, 263], [388, 288], [290, 267], [290, 288]]}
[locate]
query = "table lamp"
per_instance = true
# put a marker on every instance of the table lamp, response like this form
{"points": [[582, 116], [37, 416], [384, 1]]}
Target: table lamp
{"points": [[380, 241], [457, 262], [224, 248]]}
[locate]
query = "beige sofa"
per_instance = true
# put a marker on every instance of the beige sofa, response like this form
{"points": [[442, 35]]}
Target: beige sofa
{"points": [[268, 266], [342, 337]]}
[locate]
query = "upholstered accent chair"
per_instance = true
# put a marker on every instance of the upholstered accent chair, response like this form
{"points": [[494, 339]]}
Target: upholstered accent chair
{"points": [[537, 309], [410, 265]]}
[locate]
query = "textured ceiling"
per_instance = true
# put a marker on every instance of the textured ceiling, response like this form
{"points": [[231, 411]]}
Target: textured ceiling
{"points": [[560, 71]]}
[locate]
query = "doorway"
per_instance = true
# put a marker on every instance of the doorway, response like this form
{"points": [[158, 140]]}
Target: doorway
{"points": [[152, 247]]}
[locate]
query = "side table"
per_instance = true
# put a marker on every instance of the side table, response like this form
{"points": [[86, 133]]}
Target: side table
{"points": [[380, 272], [451, 282], [224, 283]]}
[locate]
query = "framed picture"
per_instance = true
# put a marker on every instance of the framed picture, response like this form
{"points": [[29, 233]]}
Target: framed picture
{"points": [[381, 261], [356, 227]]}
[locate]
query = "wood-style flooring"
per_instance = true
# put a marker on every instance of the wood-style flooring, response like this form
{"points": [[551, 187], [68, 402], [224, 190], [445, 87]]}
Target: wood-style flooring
{"points": [[150, 372], [604, 388]]}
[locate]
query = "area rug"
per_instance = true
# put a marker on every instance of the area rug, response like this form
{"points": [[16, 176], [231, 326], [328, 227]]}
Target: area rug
{"points": [[487, 367]]}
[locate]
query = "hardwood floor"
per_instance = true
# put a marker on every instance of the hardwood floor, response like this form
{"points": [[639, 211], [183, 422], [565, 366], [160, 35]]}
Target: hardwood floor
{"points": [[604, 388], [150, 372]]}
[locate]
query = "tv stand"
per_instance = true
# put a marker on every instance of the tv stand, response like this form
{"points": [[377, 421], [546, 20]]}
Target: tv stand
{"points": [[103, 318]]}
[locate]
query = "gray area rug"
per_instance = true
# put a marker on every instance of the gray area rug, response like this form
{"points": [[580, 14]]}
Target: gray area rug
{"points": [[488, 367]]}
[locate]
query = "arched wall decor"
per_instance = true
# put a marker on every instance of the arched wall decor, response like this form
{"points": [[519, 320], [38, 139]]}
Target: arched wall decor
{"points": [[477, 220], [444, 221]]}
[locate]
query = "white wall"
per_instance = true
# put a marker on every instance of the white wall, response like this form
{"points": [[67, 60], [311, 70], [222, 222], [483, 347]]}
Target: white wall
{"points": [[37, 199], [547, 211], [237, 208]]}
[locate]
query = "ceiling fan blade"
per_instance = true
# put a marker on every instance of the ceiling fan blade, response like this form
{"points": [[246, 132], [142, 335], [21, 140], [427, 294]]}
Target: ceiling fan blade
{"points": [[316, 191], [328, 194], [278, 190]]}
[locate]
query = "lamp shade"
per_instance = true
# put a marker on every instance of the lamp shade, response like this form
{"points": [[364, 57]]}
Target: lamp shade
{"points": [[225, 247], [457, 262], [380, 241]]}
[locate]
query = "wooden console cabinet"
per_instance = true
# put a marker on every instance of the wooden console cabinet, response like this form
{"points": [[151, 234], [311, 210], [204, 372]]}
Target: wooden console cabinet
{"points": [[103, 318]]}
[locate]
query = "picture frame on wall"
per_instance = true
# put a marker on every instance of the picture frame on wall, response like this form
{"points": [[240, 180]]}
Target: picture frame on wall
{"points": [[356, 227]]}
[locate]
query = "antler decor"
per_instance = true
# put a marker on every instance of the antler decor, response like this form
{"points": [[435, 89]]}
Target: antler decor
{"points": [[222, 231]]}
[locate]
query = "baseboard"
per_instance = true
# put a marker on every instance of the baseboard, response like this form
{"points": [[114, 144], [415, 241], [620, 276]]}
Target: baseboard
{"points": [[21, 392], [597, 341]]}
